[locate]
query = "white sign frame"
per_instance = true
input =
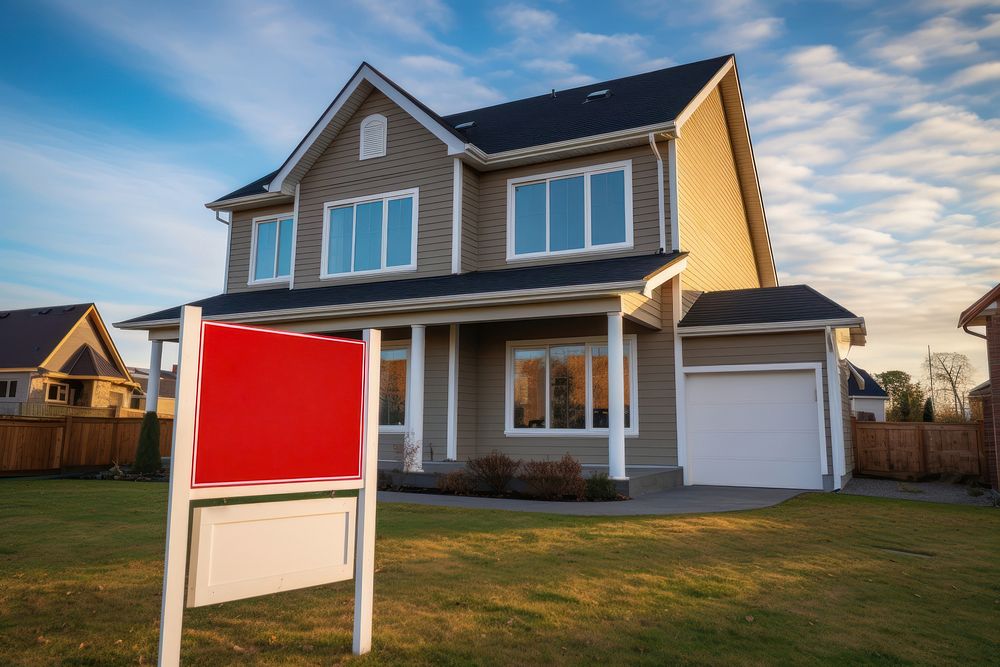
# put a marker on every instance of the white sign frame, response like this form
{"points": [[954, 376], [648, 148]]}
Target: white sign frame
{"points": [[181, 494]]}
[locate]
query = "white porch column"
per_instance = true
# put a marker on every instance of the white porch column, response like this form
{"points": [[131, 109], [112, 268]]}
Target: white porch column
{"points": [[616, 397], [415, 418], [153, 384], [452, 443]]}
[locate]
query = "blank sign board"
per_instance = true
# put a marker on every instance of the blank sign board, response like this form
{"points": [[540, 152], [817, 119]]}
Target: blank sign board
{"points": [[240, 551]]}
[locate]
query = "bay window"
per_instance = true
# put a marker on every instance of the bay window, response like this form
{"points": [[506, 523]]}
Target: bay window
{"points": [[582, 210], [392, 389], [370, 234], [561, 387], [273, 237]]}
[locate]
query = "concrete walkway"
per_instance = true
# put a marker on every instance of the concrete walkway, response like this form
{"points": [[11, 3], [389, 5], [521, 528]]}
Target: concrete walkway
{"points": [[685, 500]]}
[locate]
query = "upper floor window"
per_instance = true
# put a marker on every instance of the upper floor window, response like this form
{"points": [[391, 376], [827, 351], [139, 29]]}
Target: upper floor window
{"points": [[8, 388], [373, 133], [370, 234], [272, 248], [573, 211]]}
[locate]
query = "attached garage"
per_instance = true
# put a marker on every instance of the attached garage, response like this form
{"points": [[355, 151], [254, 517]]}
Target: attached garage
{"points": [[757, 426]]}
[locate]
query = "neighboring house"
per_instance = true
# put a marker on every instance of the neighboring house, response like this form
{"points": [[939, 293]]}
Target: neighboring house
{"points": [[587, 271], [866, 394], [60, 360], [985, 312], [167, 390]]}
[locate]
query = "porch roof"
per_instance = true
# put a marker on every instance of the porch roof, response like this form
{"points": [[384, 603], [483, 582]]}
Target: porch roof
{"points": [[618, 273]]}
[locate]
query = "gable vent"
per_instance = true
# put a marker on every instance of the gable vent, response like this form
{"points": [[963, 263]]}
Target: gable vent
{"points": [[373, 136], [598, 95]]}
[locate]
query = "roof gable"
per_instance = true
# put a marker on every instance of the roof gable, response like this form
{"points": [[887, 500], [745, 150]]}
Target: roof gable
{"points": [[88, 362], [973, 315]]}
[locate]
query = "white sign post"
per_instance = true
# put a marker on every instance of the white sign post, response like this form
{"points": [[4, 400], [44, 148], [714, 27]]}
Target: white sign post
{"points": [[222, 449]]}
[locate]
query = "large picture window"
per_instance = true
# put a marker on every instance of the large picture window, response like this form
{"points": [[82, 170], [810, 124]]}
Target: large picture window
{"points": [[570, 211], [561, 387], [370, 234], [273, 238], [392, 389]]}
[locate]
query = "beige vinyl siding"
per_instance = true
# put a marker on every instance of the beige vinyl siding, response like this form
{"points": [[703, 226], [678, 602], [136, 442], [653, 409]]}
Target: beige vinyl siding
{"points": [[655, 404], [415, 159], [470, 219], [240, 245], [712, 220], [785, 348], [468, 354], [645, 212]]}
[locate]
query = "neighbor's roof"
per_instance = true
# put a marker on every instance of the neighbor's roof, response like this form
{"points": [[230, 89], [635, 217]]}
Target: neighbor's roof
{"points": [[982, 389], [28, 336], [576, 274], [637, 101], [872, 389], [971, 315], [88, 362], [763, 305]]}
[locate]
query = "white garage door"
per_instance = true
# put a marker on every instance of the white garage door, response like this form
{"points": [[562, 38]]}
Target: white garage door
{"points": [[757, 428]]}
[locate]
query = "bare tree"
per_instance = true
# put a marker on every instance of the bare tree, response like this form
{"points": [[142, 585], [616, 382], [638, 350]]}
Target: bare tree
{"points": [[953, 371]]}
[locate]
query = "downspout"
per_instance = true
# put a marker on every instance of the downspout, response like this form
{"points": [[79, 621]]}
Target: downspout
{"points": [[660, 192], [965, 328], [835, 404], [229, 243]]}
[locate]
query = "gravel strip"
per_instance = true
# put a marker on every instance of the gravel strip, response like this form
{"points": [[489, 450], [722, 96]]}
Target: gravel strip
{"points": [[932, 492]]}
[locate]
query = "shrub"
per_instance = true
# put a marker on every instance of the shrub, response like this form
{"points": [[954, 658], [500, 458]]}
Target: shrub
{"points": [[551, 480], [147, 453], [494, 471], [458, 482], [601, 487]]}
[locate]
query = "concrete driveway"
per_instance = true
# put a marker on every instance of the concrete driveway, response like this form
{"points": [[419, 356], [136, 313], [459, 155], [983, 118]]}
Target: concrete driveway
{"points": [[684, 500]]}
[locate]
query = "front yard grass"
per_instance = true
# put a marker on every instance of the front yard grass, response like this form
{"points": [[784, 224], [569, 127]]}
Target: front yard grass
{"points": [[819, 579]]}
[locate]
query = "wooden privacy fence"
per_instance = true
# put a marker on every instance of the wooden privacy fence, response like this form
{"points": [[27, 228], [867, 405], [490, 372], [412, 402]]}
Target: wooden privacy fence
{"points": [[44, 445], [911, 450]]}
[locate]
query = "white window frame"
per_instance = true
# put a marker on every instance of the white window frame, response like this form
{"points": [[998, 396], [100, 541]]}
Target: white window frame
{"points": [[375, 117], [588, 247], [631, 346], [253, 248], [404, 427], [385, 198], [65, 392]]}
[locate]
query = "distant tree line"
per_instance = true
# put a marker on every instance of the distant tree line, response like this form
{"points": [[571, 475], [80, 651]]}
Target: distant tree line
{"points": [[941, 396]]}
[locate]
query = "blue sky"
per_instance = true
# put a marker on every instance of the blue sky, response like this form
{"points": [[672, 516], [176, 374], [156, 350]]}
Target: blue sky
{"points": [[875, 128]]}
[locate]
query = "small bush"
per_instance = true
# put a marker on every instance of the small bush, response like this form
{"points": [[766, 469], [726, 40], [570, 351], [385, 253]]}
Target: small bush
{"points": [[147, 452], [494, 471], [601, 487], [551, 480], [458, 482]]}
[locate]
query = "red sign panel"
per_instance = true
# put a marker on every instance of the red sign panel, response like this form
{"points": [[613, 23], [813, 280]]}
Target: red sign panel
{"points": [[277, 407]]}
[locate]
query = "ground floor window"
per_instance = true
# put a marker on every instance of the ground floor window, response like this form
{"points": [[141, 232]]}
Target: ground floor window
{"points": [[57, 393], [561, 387], [392, 389]]}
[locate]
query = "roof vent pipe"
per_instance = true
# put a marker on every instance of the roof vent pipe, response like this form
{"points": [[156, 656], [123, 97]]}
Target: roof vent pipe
{"points": [[553, 93]]}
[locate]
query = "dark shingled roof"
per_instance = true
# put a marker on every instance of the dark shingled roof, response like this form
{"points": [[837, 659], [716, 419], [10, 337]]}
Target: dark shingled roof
{"points": [[618, 269], [872, 388], [763, 305], [88, 362], [635, 101], [29, 335]]}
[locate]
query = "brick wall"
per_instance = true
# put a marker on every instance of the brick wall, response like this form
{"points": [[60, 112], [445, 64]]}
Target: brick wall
{"points": [[991, 407]]}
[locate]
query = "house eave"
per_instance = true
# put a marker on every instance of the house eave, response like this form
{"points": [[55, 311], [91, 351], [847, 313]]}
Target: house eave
{"points": [[411, 305], [249, 201], [856, 325]]}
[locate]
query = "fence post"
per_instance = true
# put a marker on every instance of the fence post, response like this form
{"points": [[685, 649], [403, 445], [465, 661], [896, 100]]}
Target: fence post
{"points": [[58, 449], [922, 434], [984, 468], [67, 435]]}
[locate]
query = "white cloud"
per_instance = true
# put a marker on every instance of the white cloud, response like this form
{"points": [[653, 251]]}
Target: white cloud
{"points": [[522, 19], [942, 37], [976, 74]]}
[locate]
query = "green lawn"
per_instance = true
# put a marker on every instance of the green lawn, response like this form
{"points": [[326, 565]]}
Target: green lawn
{"points": [[820, 579]]}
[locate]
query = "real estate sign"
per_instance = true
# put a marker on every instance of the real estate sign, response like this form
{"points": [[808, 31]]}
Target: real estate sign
{"points": [[262, 412]]}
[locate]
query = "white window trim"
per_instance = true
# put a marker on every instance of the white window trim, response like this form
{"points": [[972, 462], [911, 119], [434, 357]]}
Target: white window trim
{"points": [[631, 345], [385, 197], [587, 248], [377, 117], [253, 249], [56, 384], [404, 427]]}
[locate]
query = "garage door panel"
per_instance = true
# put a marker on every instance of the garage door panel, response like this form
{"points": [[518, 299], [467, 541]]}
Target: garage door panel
{"points": [[777, 417], [754, 428]]}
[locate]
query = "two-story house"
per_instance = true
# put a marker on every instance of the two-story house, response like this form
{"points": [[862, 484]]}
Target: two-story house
{"points": [[587, 271]]}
